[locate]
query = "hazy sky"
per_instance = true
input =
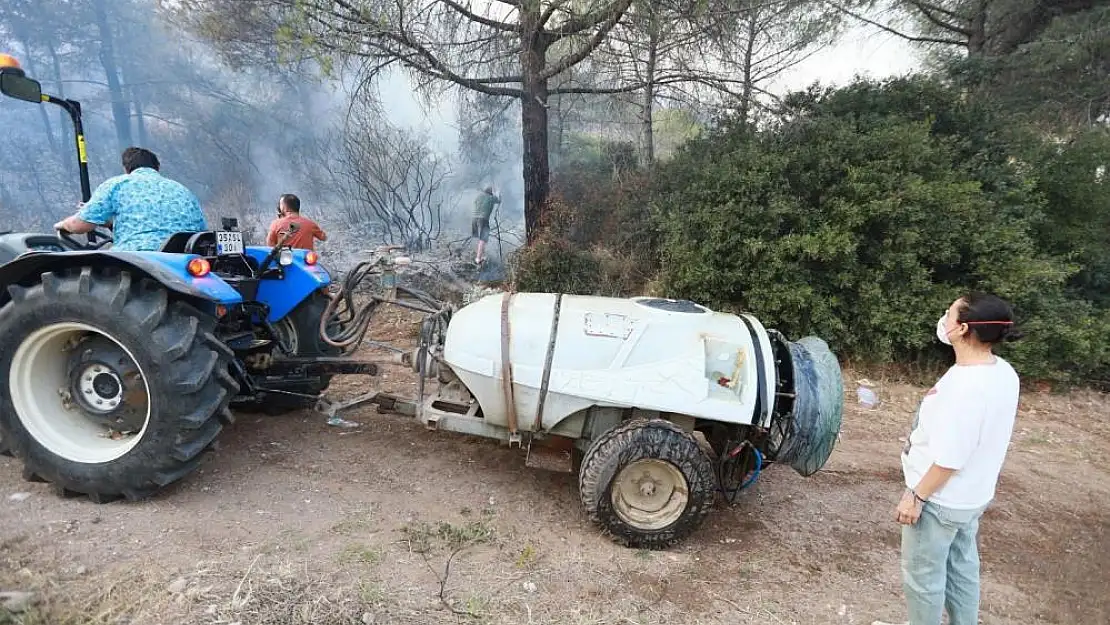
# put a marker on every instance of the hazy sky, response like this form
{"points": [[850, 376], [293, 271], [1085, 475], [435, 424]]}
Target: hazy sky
{"points": [[864, 50]]}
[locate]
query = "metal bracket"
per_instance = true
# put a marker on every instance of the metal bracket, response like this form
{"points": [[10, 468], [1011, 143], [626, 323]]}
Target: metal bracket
{"points": [[554, 455], [432, 421], [537, 426], [331, 409], [507, 369], [386, 402]]}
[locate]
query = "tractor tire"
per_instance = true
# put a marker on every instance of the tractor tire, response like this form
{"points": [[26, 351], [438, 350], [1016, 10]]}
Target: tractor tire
{"points": [[151, 365], [647, 483], [4, 449], [301, 329]]}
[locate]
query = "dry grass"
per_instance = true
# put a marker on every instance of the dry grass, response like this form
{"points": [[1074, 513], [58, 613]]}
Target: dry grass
{"points": [[267, 593]]}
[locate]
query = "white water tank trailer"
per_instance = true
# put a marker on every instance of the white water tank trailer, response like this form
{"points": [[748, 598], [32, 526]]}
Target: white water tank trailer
{"points": [[660, 404]]}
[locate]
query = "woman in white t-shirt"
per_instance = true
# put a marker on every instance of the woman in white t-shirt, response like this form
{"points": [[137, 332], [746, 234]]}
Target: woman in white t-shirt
{"points": [[951, 462]]}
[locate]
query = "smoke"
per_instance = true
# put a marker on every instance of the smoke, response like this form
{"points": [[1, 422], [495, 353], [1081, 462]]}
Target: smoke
{"points": [[238, 136]]}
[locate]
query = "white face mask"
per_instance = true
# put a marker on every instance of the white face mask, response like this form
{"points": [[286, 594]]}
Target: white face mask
{"points": [[942, 333]]}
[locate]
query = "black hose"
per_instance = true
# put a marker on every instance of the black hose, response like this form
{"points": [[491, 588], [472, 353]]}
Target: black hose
{"points": [[345, 324], [738, 468]]}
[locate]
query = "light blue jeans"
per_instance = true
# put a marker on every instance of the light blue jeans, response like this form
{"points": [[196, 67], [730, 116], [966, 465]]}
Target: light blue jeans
{"points": [[940, 566]]}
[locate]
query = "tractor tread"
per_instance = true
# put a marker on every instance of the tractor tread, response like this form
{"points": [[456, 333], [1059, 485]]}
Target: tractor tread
{"points": [[216, 344], [97, 497], [31, 476], [120, 293], [17, 293], [169, 477], [199, 376], [155, 304], [50, 283], [84, 282], [227, 417], [197, 418], [179, 347], [190, 447]]}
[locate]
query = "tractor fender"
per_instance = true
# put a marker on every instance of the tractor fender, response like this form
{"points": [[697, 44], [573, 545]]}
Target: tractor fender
{"points": [[299, 281], [169, 270]]}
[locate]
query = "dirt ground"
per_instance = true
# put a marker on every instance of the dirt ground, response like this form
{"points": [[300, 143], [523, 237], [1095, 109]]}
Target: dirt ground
{"points": [[292, 521]]}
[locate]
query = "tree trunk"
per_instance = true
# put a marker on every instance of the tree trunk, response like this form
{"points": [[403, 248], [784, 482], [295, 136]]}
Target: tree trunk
{"points": [[533, 119], [749, 51], [556, 149], [648, 116], [69, 158], [977, 39], [137, 101], [28, 62], [121, 111]]}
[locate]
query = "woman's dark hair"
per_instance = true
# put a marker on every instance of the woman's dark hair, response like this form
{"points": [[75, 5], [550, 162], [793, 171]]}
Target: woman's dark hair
{"points": [[134, 158], [989, 318]]}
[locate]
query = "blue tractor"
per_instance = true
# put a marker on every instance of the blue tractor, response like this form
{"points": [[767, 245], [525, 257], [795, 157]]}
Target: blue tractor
{"points": [[119, 369]]}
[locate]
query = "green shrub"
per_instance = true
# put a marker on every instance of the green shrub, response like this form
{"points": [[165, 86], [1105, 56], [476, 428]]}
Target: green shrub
{"points": [[555, 263], [861, 216], [1075, 180]]}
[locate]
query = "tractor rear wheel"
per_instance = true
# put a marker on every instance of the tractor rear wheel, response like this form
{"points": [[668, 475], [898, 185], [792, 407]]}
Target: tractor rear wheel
{"points": [[648, 483], [110, 388]]}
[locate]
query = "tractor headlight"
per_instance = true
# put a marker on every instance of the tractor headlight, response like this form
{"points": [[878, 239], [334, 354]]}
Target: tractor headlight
{"points": [[286, 257]]}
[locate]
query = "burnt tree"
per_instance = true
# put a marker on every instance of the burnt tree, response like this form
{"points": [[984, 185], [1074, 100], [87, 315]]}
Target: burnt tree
{"points": [[505, 48]]}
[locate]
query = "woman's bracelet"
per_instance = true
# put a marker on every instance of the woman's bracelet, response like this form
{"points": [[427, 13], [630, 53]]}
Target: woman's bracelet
{"points": [[916, 496]]}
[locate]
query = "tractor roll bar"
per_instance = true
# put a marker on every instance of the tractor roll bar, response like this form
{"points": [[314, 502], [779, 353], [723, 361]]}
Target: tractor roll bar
{"points": [[73, 107]]}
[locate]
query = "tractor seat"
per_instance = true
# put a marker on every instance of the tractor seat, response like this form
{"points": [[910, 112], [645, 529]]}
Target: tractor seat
{"points": [[202, 243]]}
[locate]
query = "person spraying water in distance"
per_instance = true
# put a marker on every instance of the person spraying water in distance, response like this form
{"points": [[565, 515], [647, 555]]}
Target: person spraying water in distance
{"points": [[479, 229]]}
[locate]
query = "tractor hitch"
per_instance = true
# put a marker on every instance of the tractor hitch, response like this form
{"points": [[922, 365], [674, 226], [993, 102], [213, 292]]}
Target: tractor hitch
{"points": [[321, 365], [385, 402]]}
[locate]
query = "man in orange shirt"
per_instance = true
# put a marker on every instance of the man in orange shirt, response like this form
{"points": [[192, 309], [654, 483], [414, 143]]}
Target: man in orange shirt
{"points": [[289, 212]]}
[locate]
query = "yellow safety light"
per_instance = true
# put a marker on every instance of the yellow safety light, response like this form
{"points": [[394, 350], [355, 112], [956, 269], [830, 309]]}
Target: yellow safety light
{"points": [[7, 60]]}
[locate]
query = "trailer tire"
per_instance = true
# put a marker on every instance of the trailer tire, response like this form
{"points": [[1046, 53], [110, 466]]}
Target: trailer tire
{"points": [[677, 483], [154, 359]]}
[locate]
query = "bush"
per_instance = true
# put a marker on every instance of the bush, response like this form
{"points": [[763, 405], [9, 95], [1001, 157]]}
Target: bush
{"points": [[1074, 179], [860, 216], [597, 235], [555, 263]]}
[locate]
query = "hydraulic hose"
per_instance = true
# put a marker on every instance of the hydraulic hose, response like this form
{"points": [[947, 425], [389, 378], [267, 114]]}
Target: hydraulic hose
{"points": [[739, 469], [344, 323], [348, 321]]}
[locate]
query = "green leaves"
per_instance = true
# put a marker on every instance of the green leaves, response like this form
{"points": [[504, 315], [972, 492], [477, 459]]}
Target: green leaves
{"points": [[862, 215]]}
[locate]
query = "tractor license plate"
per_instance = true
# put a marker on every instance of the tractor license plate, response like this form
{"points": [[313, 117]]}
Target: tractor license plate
{"points": [[229, 243]]}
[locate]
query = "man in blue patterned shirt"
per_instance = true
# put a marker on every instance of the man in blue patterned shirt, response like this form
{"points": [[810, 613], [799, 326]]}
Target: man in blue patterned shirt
{"points": [[142, 207]]}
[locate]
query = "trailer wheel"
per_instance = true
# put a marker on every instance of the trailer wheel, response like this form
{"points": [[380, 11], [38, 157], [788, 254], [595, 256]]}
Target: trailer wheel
{"points": [[647, 483], [110, 389]]}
